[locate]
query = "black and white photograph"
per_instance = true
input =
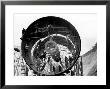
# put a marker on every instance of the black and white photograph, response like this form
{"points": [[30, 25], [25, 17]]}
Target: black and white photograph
{"points": [[53, 46]]}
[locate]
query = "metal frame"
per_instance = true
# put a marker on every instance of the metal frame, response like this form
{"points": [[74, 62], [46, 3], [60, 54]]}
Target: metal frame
{"points": [[2, 45]]}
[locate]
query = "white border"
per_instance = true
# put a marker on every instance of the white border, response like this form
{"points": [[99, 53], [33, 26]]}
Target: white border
{"points": [[100, 79]]}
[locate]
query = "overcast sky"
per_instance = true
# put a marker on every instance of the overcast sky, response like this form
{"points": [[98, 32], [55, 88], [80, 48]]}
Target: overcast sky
{"points": [[85, 24]]}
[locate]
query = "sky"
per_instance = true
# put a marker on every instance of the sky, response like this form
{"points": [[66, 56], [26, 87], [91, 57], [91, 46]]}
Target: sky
{"points": [[85, 24]]}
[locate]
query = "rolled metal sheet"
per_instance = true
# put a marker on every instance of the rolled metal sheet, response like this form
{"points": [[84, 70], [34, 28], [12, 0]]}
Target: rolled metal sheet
{"points": [[50, 45]]}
